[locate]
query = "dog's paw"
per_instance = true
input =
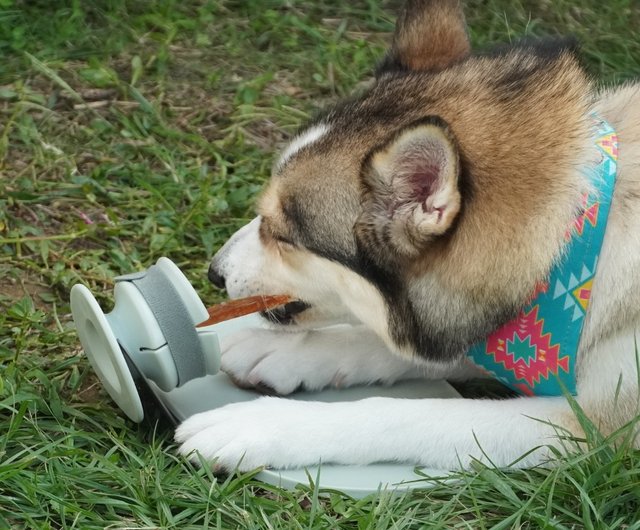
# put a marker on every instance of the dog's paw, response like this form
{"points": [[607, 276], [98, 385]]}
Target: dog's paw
{"points": [[339, 357], [266, 432]]}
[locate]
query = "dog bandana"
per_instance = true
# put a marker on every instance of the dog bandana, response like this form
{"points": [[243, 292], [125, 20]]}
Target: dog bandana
{"points": [[537, 351]]}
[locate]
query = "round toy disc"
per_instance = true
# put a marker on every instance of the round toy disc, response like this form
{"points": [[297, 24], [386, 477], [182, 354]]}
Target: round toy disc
{"points": [[104, 353]]}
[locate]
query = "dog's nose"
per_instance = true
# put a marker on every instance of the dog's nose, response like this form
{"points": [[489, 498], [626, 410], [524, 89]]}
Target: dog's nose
{"points": [[215, 277]]}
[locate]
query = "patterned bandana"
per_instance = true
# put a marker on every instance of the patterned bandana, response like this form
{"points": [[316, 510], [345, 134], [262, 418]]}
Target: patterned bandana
{"points": [[539, 348]]}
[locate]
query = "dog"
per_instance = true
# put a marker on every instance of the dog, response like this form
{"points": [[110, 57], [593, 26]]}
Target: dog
{"points": [[421, 215]]}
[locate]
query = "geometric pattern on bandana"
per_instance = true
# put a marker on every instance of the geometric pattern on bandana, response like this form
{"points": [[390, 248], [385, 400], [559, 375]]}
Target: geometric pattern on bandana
{"points": [[536, 353]]}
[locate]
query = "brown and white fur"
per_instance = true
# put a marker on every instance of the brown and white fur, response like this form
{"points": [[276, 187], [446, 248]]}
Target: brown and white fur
{"points": [[421, 214]]}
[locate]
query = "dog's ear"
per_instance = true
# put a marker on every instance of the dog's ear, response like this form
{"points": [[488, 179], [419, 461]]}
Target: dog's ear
{"points": [[411, 188], [429, 35]]}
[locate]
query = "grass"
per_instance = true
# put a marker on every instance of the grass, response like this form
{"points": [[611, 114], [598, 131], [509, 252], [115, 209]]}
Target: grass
{"points": [[134, 130]]}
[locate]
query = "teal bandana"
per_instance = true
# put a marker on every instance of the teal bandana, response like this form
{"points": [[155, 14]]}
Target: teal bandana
{"points": [[537, 350]]}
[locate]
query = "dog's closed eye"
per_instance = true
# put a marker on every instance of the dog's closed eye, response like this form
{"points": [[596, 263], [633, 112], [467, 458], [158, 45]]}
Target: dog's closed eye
{"points": [[283, 241], [269, 233]]}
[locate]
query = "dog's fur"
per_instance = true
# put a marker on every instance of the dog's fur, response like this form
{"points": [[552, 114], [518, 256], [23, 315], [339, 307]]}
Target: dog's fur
{"points": [[423, 212]]}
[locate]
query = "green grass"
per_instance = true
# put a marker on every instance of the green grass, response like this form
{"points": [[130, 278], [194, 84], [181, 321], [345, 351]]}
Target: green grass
{"points": [[133, 130]]}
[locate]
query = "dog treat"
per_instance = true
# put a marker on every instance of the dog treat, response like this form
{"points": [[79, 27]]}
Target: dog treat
{"points": [[243, 306]]}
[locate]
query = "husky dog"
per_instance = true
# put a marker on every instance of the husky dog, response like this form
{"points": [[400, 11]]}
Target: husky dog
{"points": [[422, 214]]}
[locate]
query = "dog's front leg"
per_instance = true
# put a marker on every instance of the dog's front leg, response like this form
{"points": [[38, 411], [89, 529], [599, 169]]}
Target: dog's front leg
{"points": [[439, 433], [338, 356]]}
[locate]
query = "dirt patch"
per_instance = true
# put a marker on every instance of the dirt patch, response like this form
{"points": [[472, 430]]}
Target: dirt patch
{"points": [[16, 288], [90, 391]]}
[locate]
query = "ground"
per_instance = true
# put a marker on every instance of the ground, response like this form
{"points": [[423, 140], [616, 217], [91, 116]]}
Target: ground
{"points": [[131, 130]]}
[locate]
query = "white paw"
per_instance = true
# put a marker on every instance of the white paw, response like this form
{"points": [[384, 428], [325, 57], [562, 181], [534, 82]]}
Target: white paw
{"points": [[266, 432], [339, 356]]}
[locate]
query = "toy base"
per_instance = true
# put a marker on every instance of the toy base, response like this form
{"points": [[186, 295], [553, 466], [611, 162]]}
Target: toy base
{"points": [[357, 481]]}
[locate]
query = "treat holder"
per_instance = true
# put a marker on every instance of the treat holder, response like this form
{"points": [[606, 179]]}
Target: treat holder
{"points": [[154, 362]]}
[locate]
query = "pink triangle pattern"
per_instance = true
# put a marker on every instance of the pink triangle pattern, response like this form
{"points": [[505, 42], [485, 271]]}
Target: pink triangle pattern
{"points": [[546, 361]]}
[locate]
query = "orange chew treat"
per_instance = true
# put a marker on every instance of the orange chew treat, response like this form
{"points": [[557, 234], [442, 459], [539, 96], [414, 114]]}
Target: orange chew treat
{"points": [[242, 307]]}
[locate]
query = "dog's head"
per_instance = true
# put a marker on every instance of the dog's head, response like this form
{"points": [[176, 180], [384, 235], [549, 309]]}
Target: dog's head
{"points": [[430, 206]]}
